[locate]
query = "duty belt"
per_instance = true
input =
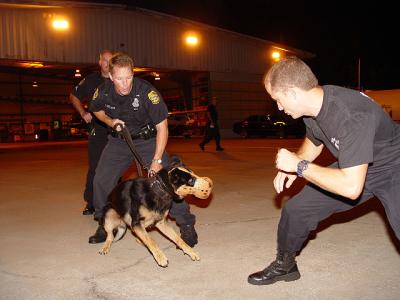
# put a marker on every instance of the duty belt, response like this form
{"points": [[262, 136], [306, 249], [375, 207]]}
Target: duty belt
{"points": [[117, 134], [146, 132]]}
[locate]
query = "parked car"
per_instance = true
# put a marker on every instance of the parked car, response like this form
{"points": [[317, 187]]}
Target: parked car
{"points": [[180, 125], [269, 125]]}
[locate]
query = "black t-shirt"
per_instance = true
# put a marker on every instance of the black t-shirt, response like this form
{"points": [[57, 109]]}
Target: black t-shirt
{"points": [[355, 129], [143, 105], [85, 90]]}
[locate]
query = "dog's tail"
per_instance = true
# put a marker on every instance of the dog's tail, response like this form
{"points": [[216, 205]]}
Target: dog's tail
{"points": [[119, 233]]}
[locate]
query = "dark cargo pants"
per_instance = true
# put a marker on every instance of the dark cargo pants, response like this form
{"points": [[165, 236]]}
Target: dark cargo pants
{"points": [[96, 144], [304, 211]]}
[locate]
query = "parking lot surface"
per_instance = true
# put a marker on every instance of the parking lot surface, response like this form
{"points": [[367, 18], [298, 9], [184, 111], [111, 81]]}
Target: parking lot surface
{"points": [[45, 253]]}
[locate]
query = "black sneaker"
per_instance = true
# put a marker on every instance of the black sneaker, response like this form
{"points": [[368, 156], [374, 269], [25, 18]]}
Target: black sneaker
{"points": [[283, 268], [219, 149], [189, 235], [88, 210], [99, 236]]}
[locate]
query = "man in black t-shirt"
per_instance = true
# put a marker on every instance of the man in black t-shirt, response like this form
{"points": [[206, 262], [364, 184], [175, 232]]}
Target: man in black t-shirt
{"points": [[212, 128], [134, 103], [97, 130], [362, 137]]}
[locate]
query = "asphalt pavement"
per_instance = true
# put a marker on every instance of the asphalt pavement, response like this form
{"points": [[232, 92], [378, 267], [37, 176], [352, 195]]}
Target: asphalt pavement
{"points": [[45, 253]]}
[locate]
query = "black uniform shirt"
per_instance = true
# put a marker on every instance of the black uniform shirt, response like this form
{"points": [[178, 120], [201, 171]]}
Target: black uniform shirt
{"points": [[355, 129], [85, 90], [143, 105]]}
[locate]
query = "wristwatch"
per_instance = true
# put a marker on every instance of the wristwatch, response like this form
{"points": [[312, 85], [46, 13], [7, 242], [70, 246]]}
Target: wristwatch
{"points": [[159, 161], [301, 167]]}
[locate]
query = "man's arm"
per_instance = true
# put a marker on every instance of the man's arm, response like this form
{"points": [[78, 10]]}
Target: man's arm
{"points": [[101, 115], [347, 182], [77, 104], [161, 143], [307, 151]]}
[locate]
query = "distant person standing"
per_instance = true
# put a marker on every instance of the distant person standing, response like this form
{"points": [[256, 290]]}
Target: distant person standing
{"points": [[97, 130], [212, 128]]}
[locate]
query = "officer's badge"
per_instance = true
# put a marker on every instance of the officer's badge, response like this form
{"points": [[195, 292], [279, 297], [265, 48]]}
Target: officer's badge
{"points": [[96, 94], [135, 104], [154, 98]]}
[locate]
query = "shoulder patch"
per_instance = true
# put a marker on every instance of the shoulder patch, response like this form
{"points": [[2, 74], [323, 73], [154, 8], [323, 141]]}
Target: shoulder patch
{"points": [[154, 98], [96, 94]]}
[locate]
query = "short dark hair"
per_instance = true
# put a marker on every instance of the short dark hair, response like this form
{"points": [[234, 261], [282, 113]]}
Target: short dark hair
{"points": [[104, 51], [121, 60], [290, 72]]}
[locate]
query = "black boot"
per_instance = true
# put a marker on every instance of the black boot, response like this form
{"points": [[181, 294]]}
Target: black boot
{"points": [[189, 235], [283, 268], [88, 210], [99, 236]]}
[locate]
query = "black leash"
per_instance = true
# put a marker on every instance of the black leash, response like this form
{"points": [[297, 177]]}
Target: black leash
{"points": [[127, 136], [139, 163]]}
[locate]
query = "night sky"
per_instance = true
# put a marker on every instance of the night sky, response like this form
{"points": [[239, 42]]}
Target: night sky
{"points": [[339, 33]]}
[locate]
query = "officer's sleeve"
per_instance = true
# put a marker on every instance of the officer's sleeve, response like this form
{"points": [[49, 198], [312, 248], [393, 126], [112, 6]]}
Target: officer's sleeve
{"points": [[81, 90], [156, 107], [98, 101], [356, 141], [310, 133]]}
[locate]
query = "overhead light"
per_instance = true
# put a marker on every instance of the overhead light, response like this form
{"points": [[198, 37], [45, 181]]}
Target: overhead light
{"points": [[60, 24], [78, 73], [34, 84], [192, 39], [276, 55]]}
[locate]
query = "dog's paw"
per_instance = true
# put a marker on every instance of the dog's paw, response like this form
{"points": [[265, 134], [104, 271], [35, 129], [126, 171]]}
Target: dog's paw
{"points": [[194, 256], [104, 250], [161, 260]]}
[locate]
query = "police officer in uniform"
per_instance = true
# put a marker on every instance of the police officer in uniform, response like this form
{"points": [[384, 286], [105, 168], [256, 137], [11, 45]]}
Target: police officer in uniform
{"points": [[136, 104], [97, 130]]}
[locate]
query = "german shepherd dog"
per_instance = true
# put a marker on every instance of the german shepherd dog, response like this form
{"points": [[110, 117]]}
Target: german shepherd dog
{"points": [[143, 202]]}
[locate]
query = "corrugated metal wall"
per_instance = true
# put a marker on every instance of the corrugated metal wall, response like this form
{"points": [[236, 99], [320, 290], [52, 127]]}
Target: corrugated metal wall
{"points": [[154, 40]]}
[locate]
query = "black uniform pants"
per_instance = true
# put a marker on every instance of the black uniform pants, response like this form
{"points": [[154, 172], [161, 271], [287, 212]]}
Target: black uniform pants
{"points": [[212, 133], [96, 144], [115, 160], [304, 211]]}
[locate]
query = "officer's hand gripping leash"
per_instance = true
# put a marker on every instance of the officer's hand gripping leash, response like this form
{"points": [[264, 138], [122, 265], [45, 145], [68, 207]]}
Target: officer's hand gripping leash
{"points": [[157, 180], [119, 127]]}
